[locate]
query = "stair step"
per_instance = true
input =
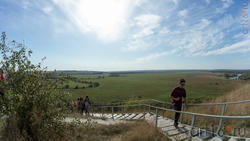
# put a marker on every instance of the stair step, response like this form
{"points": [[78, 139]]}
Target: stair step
{"points": [[181, 136], [109, 115], [123, 116], [165, 129], [138, 116], [97, 115], [164, 123], [118, 116], [131, 116], [196, 139], [173, 132]]}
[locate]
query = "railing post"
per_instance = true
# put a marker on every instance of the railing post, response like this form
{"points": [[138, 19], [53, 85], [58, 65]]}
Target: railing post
{"points": [[112, 112], [156, 117], [144, 110], [181, 116], [123, 109], [221, 119], [149, 107], [192, 126], [93, 110], [102, 110]]}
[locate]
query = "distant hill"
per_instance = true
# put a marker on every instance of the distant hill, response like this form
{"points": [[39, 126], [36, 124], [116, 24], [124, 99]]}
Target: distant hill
{"points": [[77, 72], [230, 70]]}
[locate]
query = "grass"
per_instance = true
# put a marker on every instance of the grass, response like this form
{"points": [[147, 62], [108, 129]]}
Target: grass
{"points": [[117, 132], [200, 86], [73, 84]]}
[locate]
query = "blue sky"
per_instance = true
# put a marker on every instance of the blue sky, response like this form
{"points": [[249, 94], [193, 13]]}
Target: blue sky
{"points": [[131, 34]]}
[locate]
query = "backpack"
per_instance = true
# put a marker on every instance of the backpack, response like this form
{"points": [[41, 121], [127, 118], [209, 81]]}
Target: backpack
{"points": [[75, 103]]}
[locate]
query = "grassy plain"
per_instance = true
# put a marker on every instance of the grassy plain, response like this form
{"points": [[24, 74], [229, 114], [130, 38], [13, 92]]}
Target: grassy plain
{"points": [[200, 86]]}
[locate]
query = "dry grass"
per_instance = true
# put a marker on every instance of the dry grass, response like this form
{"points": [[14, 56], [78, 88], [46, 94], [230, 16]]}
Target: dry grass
{"points": [[134, 131], [144, 132], [243, 93]]}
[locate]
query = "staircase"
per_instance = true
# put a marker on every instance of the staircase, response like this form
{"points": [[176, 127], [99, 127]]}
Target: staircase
{"points": [[165, 125]]}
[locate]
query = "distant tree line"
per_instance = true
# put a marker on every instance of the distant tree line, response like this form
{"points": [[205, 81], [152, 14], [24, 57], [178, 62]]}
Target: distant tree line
{"points": [[90, 84], [114, 75]]}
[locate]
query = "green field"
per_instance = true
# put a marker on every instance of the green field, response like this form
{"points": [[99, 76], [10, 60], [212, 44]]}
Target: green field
{"points": [[200, 86]]}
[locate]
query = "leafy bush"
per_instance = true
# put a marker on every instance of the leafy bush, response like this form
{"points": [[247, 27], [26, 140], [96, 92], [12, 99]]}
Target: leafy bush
{"points": [[33, 106]]}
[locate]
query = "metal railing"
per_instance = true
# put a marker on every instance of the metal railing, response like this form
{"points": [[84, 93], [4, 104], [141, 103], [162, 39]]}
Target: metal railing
{"points": [[223, 104], [169, 103], [194, 115]]}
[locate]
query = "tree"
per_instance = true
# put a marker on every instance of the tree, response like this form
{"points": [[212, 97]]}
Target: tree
{"points": [[33, 105]]}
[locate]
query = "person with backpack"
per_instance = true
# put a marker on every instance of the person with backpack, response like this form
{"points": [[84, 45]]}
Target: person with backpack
{"points": [[81, 105], [87, 105]]}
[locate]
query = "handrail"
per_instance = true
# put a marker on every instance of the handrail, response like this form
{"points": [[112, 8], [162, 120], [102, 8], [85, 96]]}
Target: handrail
{"points": [[183, 112], [163, 102], [207, 104], [194, 115], [203, 115], [221, 117]]}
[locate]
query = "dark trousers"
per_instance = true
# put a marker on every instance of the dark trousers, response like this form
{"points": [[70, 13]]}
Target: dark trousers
{"points": [[177, 115]]}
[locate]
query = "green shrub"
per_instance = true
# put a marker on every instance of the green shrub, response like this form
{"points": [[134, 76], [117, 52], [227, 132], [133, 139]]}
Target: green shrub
{"points": [[33, 105]]}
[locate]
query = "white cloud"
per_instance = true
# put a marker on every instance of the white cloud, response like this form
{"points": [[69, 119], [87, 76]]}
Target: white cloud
{"points": [[225, 4], [239, 47], [182, 23], [106, 18], [152, 56], [183, 13], [47, 9], [147, 24], [239, 35], [135, 45], [155, 55], [226, 21], [164, 30], [203, 24], [143, 28], [175, 2]]}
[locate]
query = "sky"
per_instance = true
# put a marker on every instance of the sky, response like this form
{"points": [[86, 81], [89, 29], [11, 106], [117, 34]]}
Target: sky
{"points": [[113, 35]]}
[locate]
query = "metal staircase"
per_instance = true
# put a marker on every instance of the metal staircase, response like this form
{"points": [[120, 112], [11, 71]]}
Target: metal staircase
{"points": [[165, 125]]}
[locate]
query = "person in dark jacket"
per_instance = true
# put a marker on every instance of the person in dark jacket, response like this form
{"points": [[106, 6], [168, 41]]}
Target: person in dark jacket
{"points": [[176, 96], [87, 105], [81, 105]]}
